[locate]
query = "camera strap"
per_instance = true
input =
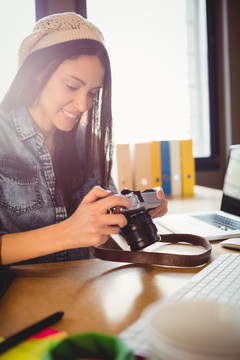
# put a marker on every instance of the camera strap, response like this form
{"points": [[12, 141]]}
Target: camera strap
{"points": [[159, 258]]}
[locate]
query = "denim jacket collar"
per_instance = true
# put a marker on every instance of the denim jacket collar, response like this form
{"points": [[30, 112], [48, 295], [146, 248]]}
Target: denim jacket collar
{"points": [[24, 124]]}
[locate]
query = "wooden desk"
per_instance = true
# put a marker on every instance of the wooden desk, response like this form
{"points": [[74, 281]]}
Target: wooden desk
{"points": [[94, 294]]}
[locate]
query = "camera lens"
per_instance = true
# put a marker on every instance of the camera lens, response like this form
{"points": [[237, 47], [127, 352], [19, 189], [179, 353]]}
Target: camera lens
{"points": [[140, 231]]}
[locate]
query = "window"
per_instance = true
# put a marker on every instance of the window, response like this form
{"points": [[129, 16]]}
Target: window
{"points": [[159, 52], [17, 21]]}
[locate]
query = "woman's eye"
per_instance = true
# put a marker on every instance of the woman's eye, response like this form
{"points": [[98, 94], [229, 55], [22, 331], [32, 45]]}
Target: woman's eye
{"points": [[71, 87]]}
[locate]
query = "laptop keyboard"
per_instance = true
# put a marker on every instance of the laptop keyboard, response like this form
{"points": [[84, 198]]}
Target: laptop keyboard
{"points": [[217, 282], [219, 221]]}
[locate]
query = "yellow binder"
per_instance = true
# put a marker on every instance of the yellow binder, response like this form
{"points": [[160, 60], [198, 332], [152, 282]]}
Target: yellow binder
{"points": [[187, 167], [156, 163]]}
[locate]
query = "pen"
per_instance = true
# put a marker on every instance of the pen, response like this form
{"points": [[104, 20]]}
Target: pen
{"points": [[30, 331]]}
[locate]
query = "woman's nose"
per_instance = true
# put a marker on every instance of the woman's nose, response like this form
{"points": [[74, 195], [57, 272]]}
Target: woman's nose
{"points": [[81, 103]]}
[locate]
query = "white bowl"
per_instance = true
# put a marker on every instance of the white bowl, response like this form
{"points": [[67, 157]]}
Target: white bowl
{"points": [[194, 330]]}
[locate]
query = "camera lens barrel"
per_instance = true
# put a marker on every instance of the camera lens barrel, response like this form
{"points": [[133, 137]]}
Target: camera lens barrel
{"points": [[140, 231]]}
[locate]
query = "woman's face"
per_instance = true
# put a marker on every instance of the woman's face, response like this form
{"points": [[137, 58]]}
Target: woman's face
{"points": [[69, 92]]}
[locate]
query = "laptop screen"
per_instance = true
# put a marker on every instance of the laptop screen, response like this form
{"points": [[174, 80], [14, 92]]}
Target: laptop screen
{"points": [[231, 186]]}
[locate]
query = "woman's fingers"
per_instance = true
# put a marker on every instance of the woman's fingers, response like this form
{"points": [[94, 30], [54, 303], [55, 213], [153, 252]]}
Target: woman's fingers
{"points": [[92, 222], [163, 207], [105, 201], [118, 220], [94, 194]]}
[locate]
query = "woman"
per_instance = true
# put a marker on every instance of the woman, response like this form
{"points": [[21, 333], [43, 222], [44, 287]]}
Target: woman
{"points": [[55, 168]]}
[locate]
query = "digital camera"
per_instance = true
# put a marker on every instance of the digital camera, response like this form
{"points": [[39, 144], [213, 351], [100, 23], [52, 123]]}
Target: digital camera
{"points": [[140, 230]]}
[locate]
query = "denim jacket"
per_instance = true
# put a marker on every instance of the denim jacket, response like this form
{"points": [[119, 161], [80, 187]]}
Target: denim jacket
{"points": [[27, 181]]}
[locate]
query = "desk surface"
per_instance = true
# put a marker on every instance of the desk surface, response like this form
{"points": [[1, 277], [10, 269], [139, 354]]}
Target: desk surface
{"points": [[94, 294]]}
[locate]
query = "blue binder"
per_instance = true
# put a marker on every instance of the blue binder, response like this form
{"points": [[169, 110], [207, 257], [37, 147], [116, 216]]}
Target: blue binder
{"points": [[166, 175]]}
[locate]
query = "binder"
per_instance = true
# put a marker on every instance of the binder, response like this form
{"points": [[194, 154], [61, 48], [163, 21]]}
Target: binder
{"points": [[124, 167], [165, 160], [156, 164], [142, 174], [187, 167], [175, 168]]}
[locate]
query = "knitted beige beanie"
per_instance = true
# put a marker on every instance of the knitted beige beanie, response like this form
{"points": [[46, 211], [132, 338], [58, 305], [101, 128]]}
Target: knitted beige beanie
{"points": [[55, 29]]}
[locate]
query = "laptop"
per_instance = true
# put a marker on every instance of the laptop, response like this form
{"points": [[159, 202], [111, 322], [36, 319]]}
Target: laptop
{"points": [[213, 225]]}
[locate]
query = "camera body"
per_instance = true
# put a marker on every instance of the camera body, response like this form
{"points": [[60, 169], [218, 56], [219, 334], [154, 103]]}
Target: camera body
{"points": [[140, 230]]}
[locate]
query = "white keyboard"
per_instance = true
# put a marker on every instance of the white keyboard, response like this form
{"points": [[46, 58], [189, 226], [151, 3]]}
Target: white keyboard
{"points": [[219, 282]]}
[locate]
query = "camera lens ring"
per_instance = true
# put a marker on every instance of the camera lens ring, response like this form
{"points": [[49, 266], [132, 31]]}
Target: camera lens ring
{"points": [[140, 231]]}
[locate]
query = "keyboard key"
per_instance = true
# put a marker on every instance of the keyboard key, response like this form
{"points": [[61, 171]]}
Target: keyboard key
{"points": [[219, 221]]}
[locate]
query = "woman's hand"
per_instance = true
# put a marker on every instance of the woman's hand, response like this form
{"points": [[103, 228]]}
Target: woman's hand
{"points": [[92, 224], [163, 207]]}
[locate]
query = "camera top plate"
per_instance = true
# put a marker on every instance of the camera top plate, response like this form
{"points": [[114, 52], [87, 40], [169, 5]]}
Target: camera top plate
{"points": [[146, 199]]}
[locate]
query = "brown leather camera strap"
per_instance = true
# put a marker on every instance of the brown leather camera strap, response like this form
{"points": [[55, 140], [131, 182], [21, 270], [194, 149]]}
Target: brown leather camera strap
{"points": [[159, 258]]}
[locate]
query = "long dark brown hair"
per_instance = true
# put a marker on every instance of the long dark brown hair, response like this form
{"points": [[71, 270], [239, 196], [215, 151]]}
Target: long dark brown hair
{"points": [[26, 88]]}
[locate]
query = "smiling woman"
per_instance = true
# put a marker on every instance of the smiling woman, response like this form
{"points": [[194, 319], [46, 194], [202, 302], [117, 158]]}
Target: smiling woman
{"points": [[55, 172], [78, 82]]}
